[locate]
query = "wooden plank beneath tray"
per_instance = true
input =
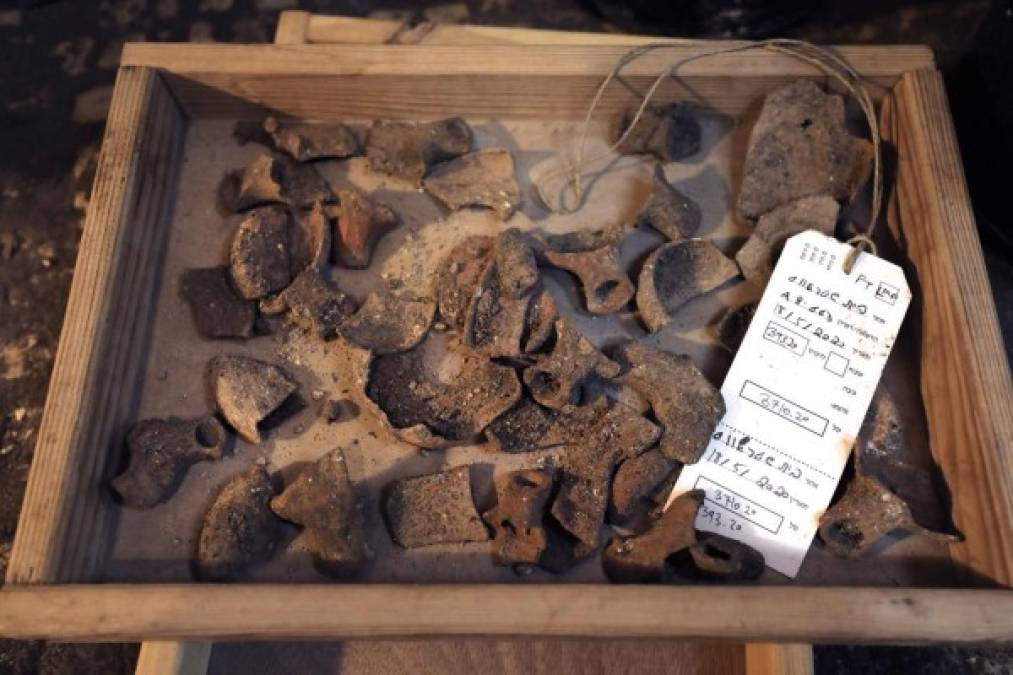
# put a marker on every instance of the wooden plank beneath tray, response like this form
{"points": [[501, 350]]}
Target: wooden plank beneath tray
{"points": [[115, 612], [768, 658], [66, 507], [159, 657]]}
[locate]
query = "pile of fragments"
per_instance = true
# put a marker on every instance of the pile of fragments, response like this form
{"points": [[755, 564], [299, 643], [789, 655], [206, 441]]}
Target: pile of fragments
{"points": [[624, 422]]}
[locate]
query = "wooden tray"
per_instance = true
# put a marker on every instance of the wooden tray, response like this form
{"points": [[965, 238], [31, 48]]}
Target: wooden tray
{"points": [[165, 92]]}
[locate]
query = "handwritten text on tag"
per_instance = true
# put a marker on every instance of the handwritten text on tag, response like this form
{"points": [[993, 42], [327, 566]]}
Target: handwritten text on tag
{"points": [[796, 395]]}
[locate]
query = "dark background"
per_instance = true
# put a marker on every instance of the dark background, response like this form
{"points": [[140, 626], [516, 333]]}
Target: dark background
{"points": [[58, 59]]}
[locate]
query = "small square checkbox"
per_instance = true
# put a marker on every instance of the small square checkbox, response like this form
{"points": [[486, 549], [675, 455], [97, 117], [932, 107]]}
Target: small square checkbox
{"points": [[837, 364], [887, 293]]}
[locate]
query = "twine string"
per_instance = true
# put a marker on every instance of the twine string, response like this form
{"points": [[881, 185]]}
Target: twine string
{"points": [[858, 243], [825, 60]]}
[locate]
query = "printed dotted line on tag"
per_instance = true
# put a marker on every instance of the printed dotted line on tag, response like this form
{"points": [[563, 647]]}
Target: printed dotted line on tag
{"points": [[779, 451]]}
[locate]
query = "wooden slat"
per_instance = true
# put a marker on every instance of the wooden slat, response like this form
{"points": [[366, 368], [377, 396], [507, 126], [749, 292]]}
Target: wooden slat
{"points": [[493, 60], [422, 81], [264, 611], [173, 658], [92, 391], [292, 27], [350, 30], [354, 30], [212, 95], [773, 659], [498, 35], [966, 383]]}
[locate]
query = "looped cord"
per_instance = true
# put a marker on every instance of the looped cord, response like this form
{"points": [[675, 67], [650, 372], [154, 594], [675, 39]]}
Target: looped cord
{"points": [[857, 243], [819, 57]]}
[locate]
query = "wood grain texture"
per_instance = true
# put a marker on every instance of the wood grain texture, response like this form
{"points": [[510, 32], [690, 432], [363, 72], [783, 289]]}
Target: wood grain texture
{"points": [[173, 658], [326, 29], [496, 60], [965, 376], [66, 509], [490, 657], [415, 97], [292, 27], [497, 35], [319, 81], [773, 659], [350, 30], [117, 612]]}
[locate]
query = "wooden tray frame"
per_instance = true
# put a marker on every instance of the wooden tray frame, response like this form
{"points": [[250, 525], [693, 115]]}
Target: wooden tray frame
{"points": [[67, 516]]}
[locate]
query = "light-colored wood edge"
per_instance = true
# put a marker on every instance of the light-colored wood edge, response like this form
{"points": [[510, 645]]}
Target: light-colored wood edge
{"points": [[965, 377], [766, 658], [287, 611], [327, 29], [409, 97], [66, 506], [173, 658], [351, 30], [442, 34], [492, 60], [292, 27]]}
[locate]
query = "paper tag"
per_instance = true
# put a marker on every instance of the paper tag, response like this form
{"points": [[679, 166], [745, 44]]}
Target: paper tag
{"points": [[796, 396]]}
